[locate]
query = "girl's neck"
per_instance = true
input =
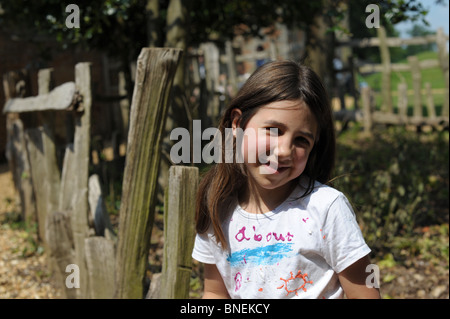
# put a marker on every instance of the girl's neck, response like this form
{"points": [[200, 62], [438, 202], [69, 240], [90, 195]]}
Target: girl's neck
{"points": [[259, 200]]}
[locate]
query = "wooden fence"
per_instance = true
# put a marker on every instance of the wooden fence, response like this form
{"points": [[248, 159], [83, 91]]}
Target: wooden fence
{"points": [[67, 204], [385, 114], [219, 88]]}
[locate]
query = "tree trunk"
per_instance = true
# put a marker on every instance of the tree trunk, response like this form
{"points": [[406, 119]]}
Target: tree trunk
{"points": [[176, 37]]}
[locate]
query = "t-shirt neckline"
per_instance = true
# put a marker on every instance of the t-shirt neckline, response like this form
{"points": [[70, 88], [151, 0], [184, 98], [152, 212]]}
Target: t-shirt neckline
{"points": [[273, 212]]}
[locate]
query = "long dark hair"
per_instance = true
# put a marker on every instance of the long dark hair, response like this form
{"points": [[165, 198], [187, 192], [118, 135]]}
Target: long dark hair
{"points": [[274, 81]]}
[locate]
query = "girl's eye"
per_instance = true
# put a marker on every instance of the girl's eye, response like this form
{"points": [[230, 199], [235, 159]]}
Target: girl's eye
{"points": [[272, 131], [301, 141]]}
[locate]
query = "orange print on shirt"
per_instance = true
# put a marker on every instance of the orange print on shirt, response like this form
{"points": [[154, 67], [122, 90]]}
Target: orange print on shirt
{"points": [[298, 276]]}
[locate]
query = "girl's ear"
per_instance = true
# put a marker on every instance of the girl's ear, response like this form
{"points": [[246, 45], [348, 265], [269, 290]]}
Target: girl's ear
{"points": [[235, 116]]}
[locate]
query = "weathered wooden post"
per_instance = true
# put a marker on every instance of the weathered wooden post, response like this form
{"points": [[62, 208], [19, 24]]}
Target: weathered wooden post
{"points": [[80, 208], [211, 54], [14, 86], [403, 101], [62, 203], [41, 146], [100, 250], [155, 72], [386, 72], [417, 85], [231, 66], [441, 42], [430, 101], [367, 109], [179, 232]]}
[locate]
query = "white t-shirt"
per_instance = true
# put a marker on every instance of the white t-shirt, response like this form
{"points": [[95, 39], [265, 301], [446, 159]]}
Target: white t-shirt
{"points": [[294, 251]]}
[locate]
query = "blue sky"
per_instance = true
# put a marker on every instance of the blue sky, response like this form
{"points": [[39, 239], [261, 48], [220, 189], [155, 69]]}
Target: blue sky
{"points": [[437, 16]]}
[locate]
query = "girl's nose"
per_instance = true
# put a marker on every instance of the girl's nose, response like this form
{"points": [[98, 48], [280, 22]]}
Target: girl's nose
{"points": [[283, 149]]}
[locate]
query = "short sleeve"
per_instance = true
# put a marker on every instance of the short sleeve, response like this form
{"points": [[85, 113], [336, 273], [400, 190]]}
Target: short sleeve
{"points": [[202, 249], [343, 242]]}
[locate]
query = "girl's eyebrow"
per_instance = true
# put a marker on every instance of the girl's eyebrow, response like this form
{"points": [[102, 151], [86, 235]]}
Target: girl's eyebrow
{"points": [[281, 125]]}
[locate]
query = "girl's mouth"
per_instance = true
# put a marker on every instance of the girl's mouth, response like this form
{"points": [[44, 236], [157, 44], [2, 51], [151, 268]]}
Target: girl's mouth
{"points": [[273, 168]]}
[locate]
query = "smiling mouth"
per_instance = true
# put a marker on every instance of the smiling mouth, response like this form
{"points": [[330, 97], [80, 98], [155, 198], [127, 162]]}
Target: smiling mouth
{"points": [[274, 168]]}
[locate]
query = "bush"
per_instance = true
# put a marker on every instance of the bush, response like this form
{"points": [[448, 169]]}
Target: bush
{"points": [[397, 180]]}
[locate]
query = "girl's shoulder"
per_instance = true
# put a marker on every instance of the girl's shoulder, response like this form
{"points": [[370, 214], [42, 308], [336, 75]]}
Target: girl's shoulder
{"points": [[321, 194]]}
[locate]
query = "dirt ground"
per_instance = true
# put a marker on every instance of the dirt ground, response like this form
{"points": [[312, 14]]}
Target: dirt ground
{"points": [[24, 272]]}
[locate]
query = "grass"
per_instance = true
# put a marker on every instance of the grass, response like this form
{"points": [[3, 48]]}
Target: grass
{"points": [[434, 75]]}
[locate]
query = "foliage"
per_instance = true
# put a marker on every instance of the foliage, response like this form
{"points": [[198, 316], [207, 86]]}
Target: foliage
{"points": [[221, 19], [391, 13], [114, 26], [397, 181], [119, 27]]}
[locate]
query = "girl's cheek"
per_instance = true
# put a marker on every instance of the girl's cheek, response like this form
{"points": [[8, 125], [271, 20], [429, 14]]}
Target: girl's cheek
{"points": [[302, 156], [267, 145], [257, 146], [249, 150]]}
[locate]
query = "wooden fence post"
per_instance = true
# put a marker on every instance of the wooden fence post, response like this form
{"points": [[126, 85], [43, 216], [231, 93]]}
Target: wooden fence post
{"points": [[211, 55], [16, 151], [41, 146], [179, 232], [100, 262], [367, 108], [443, 62], [417, 85], [231, 65], [80, 175], [386, 73], [403, 101], [154, 77], [430, 101], [58, 232]]}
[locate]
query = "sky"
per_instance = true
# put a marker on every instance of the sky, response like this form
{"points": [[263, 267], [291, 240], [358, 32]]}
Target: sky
{"points": [[437, 16]]}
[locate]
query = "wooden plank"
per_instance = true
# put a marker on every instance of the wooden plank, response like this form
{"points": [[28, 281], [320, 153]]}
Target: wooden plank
{"points": [[41, 148], [429, 98], [68, 183], [402, 100], [367, 109], [45, 81], [211, 54], [19, 164], [397, 67], [386, 72], [155, 287], [61, 252], [391, 42], [155, 72], [231, 67], [97, 207], [79, 217], [62, 97], [100, 258], [441, 42], [395, 119], [15, 84], [179, 232], [36, 153], [417, 84]]}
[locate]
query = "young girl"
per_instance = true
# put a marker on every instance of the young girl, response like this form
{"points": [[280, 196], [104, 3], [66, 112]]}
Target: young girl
{"points": [[270, 228]]}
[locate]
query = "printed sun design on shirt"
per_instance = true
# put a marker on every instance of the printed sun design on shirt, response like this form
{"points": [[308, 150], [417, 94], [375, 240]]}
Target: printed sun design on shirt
{"points": [[291, 279]]}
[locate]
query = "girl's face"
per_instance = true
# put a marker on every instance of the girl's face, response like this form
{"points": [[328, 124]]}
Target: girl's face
{"points": [[277, 142]]}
